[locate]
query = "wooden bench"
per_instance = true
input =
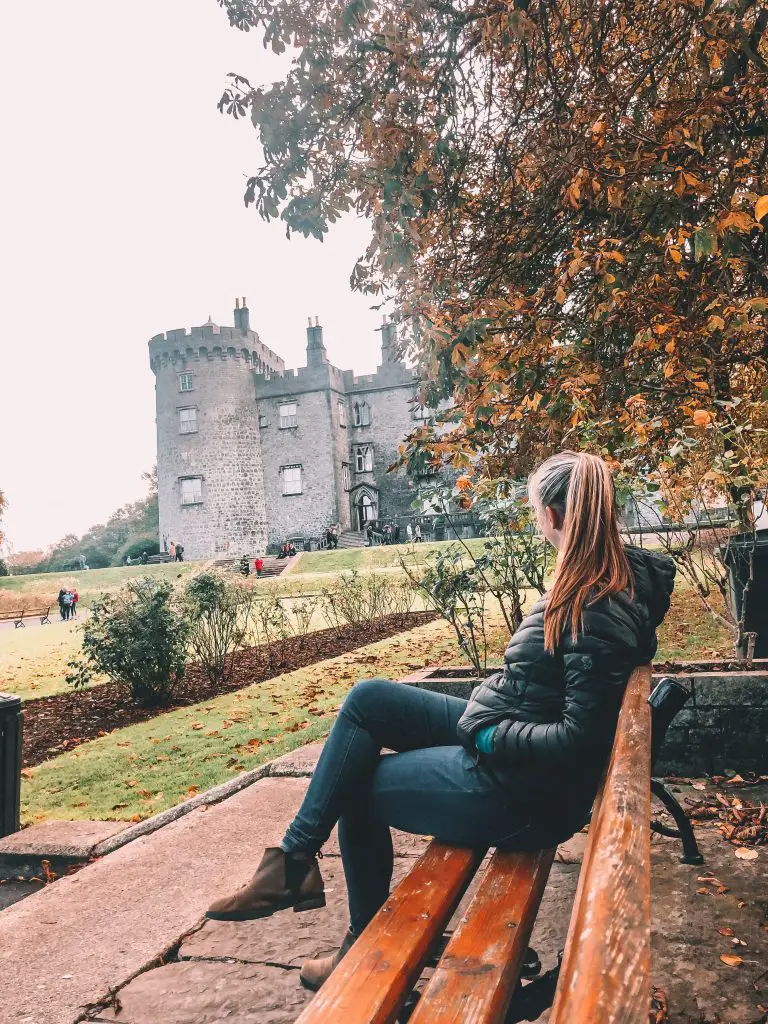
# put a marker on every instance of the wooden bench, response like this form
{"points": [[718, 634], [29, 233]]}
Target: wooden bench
{"points": [[19, 614], [605, 972]]}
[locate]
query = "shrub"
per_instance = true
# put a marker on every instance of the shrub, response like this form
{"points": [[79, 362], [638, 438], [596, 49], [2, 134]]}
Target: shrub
{"points": [[4, 570], [218, 613], [136, 548], [135, 636]]}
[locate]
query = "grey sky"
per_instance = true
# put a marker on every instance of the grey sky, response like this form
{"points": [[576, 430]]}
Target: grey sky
{"points": [[122, 216]]}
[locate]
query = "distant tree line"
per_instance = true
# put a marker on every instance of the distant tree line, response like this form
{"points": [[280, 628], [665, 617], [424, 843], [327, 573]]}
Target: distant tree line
{"points": [[130, 530]]}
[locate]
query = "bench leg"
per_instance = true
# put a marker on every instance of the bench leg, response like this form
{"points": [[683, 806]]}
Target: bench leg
{"points": [[683, 832], [19, 625], [44, 620]]}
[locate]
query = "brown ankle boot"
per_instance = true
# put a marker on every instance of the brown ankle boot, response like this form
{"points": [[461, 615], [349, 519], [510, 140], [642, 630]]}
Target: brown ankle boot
{"points": [[315, 973], [280, 882]]}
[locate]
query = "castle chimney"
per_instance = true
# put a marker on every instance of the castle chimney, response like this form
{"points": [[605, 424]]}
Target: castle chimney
{"points": [[242, 317], [389, 353], [316, 354]]}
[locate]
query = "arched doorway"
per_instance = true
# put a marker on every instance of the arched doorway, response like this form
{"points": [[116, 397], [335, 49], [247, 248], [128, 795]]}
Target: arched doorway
{"points": [[365, 507]]}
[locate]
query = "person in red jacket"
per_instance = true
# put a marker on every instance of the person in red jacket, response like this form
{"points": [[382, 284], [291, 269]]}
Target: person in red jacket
{"points": [[258, 566], [75, 599]]}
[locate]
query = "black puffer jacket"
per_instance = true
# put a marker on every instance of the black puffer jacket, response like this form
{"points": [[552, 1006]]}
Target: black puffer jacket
{"points": [[557, 713]]}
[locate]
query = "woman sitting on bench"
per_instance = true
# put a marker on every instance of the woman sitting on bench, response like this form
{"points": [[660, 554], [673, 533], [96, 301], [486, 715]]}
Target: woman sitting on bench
{"points": [[519, 764]]}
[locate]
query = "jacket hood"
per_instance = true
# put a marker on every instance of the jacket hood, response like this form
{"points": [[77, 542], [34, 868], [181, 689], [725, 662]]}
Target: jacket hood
{"points": [[654, 580]]}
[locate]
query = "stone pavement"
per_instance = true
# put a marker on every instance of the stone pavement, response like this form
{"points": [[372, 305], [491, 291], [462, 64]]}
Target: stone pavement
{"points": [[124, 939]]}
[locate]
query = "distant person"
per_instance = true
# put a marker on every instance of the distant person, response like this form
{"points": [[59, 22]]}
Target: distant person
{"points": [[329, 538], [396, 533], [291, 550], [128, 560], [179, 552], [75, 599], [144, 557], [172, 551], [60, 599], [417, 533], [409, 533], [369, 535], [258, 565], [68, 601], [165, 543]]}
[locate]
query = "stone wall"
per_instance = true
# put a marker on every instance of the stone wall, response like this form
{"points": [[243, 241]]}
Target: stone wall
{"points": [[224, 453], [723, 725], [389, 393], [311, 445]]}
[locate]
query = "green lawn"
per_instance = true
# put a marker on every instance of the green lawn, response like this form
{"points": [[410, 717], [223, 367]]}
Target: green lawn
{"points": [[89, 583], [381, 556], [33, 661]]}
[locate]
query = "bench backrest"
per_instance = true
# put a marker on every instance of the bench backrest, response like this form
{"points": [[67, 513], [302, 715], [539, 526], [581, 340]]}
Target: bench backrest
{"points": [[605, 976]]}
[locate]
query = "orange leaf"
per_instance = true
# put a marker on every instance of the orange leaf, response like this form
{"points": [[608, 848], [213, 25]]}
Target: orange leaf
{"points": [[731, 960], [761, 207]]}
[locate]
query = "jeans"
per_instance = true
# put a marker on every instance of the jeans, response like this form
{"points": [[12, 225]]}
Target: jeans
{"points": [[431, 786]]}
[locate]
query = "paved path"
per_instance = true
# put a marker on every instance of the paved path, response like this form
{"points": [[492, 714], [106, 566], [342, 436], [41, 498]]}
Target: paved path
{"points": [[124, 939]]}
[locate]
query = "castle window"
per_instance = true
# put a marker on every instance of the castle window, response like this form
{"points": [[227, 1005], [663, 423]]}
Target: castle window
{"points": [[364, 458], [263, 421], [361, 414], [291, 479], [187, 421], [342, 414], [345, 476], [185, 382], [288, 415], [191, 490]]}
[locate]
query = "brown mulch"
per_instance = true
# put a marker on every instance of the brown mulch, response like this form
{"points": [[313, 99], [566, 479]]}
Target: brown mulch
{"points": [[58, 723]]}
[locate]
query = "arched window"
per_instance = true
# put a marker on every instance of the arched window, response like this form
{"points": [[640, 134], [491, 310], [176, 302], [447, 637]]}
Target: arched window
{"points": [[361, 414]]}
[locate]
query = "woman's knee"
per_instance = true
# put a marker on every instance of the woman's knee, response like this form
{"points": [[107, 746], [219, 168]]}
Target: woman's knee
{"points": [[365, 694]]}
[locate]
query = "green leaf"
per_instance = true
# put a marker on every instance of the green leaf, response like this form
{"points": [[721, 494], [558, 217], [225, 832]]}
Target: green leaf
{"points": [[704, 243]]}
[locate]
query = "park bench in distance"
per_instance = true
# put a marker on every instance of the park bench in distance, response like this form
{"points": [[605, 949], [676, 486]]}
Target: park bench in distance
{"points": [[19, 614], [605, 973]]}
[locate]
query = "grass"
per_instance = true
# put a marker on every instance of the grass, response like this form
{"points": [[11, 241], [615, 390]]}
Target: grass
{"points": [[33, 661], [382, 556], [90, 583], [145, 768]]}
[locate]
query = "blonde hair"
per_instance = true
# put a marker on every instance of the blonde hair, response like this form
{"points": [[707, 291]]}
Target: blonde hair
{"points": [[592, 562]]}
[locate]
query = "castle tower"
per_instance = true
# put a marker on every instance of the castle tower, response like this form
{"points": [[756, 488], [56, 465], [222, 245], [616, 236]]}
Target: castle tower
{"points": [[209, 465]]}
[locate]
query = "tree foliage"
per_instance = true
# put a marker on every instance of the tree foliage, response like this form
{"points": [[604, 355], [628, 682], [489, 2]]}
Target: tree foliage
{"points": [[568, 203]]}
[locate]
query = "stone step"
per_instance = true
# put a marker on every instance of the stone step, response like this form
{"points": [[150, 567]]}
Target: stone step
{"points": [[352, 539]]}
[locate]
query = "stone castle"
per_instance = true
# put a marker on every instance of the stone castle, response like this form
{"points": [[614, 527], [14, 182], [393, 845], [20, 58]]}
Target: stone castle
{"points": [[250, 454]]}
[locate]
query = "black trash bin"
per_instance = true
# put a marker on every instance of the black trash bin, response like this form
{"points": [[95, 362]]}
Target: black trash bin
{"points": [[10, 763], [737, 557]]}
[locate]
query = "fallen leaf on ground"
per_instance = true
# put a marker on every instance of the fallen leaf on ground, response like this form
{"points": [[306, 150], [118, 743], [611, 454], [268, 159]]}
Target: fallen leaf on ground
{"points": [[730, 959], [744, 854], [699, 784], [725, 931]]}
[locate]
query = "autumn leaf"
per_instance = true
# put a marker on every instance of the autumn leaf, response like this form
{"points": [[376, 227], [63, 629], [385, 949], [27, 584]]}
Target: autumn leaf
{"points": [[702, 418], [731, 959], [761, 208], [746, 854], [725, 931]]}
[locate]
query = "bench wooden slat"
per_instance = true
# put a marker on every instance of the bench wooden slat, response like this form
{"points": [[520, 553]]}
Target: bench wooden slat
{"points": [[605, 977], [373, 980], [477, 974]]}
